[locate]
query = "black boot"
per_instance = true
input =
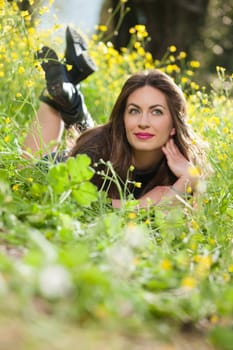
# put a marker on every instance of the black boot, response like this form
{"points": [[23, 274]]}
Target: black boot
{"points": [[61, 94], [76, 55]]}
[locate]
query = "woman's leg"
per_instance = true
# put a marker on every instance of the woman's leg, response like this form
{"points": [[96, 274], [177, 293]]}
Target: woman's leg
{"points": [[62, 102], [45, 132]]}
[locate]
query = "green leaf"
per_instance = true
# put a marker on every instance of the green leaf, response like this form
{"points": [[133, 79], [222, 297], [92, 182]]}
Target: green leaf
{"points": [[79, 168], [58, 178], [85, 194]]}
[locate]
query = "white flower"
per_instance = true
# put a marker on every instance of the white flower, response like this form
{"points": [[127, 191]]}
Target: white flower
{"points": [[121, 259], [135, 236], [54, 282]]}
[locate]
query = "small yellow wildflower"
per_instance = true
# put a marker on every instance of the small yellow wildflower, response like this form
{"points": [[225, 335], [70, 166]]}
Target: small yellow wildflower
{"points": [[194, 171], [29, 83], [2, 74], [230, 268], [30, 179], [188, 282], [182, 55], [31, 30], [102, 28], [131, 168], [184, 80], [171, 58], [195, 64], [132, 30], [138, 184], [195, 225], [69, 67], [172, 48], [25, 13], [21, 70], [137, 44], [194, 85], [189, 73], [205, 262], [166, 264], [18, 94], [15, 187], [140, 28], [132, 216], [7, 138], [7, 120]]}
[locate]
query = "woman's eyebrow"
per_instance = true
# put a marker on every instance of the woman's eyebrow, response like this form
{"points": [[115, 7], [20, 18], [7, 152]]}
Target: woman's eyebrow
{"points": [[153, 106]]}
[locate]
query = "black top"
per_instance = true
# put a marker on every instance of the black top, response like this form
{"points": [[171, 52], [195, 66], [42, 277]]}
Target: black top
{"points": [[144, 177]]}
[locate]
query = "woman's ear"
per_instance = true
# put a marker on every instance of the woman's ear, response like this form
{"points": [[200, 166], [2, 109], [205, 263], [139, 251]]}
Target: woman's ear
{"points": [[172, 132]]}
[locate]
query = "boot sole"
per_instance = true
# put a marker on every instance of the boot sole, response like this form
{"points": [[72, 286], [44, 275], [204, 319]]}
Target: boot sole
{"points": [[77, 56]]}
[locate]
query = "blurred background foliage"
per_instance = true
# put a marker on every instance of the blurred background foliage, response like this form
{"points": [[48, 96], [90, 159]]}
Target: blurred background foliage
{"points": [[201, 28]]}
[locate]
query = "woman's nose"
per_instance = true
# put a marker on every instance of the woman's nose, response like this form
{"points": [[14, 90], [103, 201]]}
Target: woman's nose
{"points": [[144, 120]]}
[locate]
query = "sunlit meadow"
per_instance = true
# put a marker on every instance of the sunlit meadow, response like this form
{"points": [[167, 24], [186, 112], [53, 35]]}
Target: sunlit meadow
{"points": [[64, 252]]}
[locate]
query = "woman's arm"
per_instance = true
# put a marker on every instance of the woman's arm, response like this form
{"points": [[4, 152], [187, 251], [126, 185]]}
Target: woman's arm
{"points": [[45, 132], [158, 194]]}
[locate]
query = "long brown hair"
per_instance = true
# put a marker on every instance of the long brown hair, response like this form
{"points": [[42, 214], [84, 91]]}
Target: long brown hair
{"points": [[109, 141]]}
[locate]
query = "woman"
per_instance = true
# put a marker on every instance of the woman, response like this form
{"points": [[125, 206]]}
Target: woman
{"points": [[147, 131]]}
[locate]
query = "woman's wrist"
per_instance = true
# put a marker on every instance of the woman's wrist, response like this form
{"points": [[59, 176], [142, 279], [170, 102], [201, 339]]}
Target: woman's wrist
{"points": [[184, 185]]}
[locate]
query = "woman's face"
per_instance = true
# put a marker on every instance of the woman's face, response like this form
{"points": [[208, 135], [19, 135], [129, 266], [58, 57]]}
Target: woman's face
{"points": [[148, 124]]}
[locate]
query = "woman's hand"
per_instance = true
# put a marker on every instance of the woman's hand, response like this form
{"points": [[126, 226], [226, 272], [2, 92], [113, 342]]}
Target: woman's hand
{"points": [[180, 166], [176, 161]]}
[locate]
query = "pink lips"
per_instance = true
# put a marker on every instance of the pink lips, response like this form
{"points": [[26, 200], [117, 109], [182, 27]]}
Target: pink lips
{"points": [[143, 135]]}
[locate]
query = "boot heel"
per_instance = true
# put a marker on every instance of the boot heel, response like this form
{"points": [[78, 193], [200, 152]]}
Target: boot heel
{"points": [[76, 55]]}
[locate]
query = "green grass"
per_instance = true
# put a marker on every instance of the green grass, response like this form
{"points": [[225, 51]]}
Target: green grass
{"points": [[85, 264]]}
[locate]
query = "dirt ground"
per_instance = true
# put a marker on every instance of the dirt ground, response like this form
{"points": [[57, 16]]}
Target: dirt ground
{"points": [[44, 334]]}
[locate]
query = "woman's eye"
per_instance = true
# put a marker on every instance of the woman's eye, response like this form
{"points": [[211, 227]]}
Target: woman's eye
{"points": [[157, 111], [133, 111]]}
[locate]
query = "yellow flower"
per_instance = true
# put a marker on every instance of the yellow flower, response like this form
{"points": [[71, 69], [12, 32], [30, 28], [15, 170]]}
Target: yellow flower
{"points": [[25, 13], [166, 264], [7, 120], [194, 171], [195, 64], [194, 85], [140, 28], [102, 28], [132, 216], [7, 138], [230, 268], [15, 187], [138, 184], [188, 282], [69, 67], [21, 70], [184, 80], [182, 55], [195, 225], [131, 168], [137, 44], [172, 48]]}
